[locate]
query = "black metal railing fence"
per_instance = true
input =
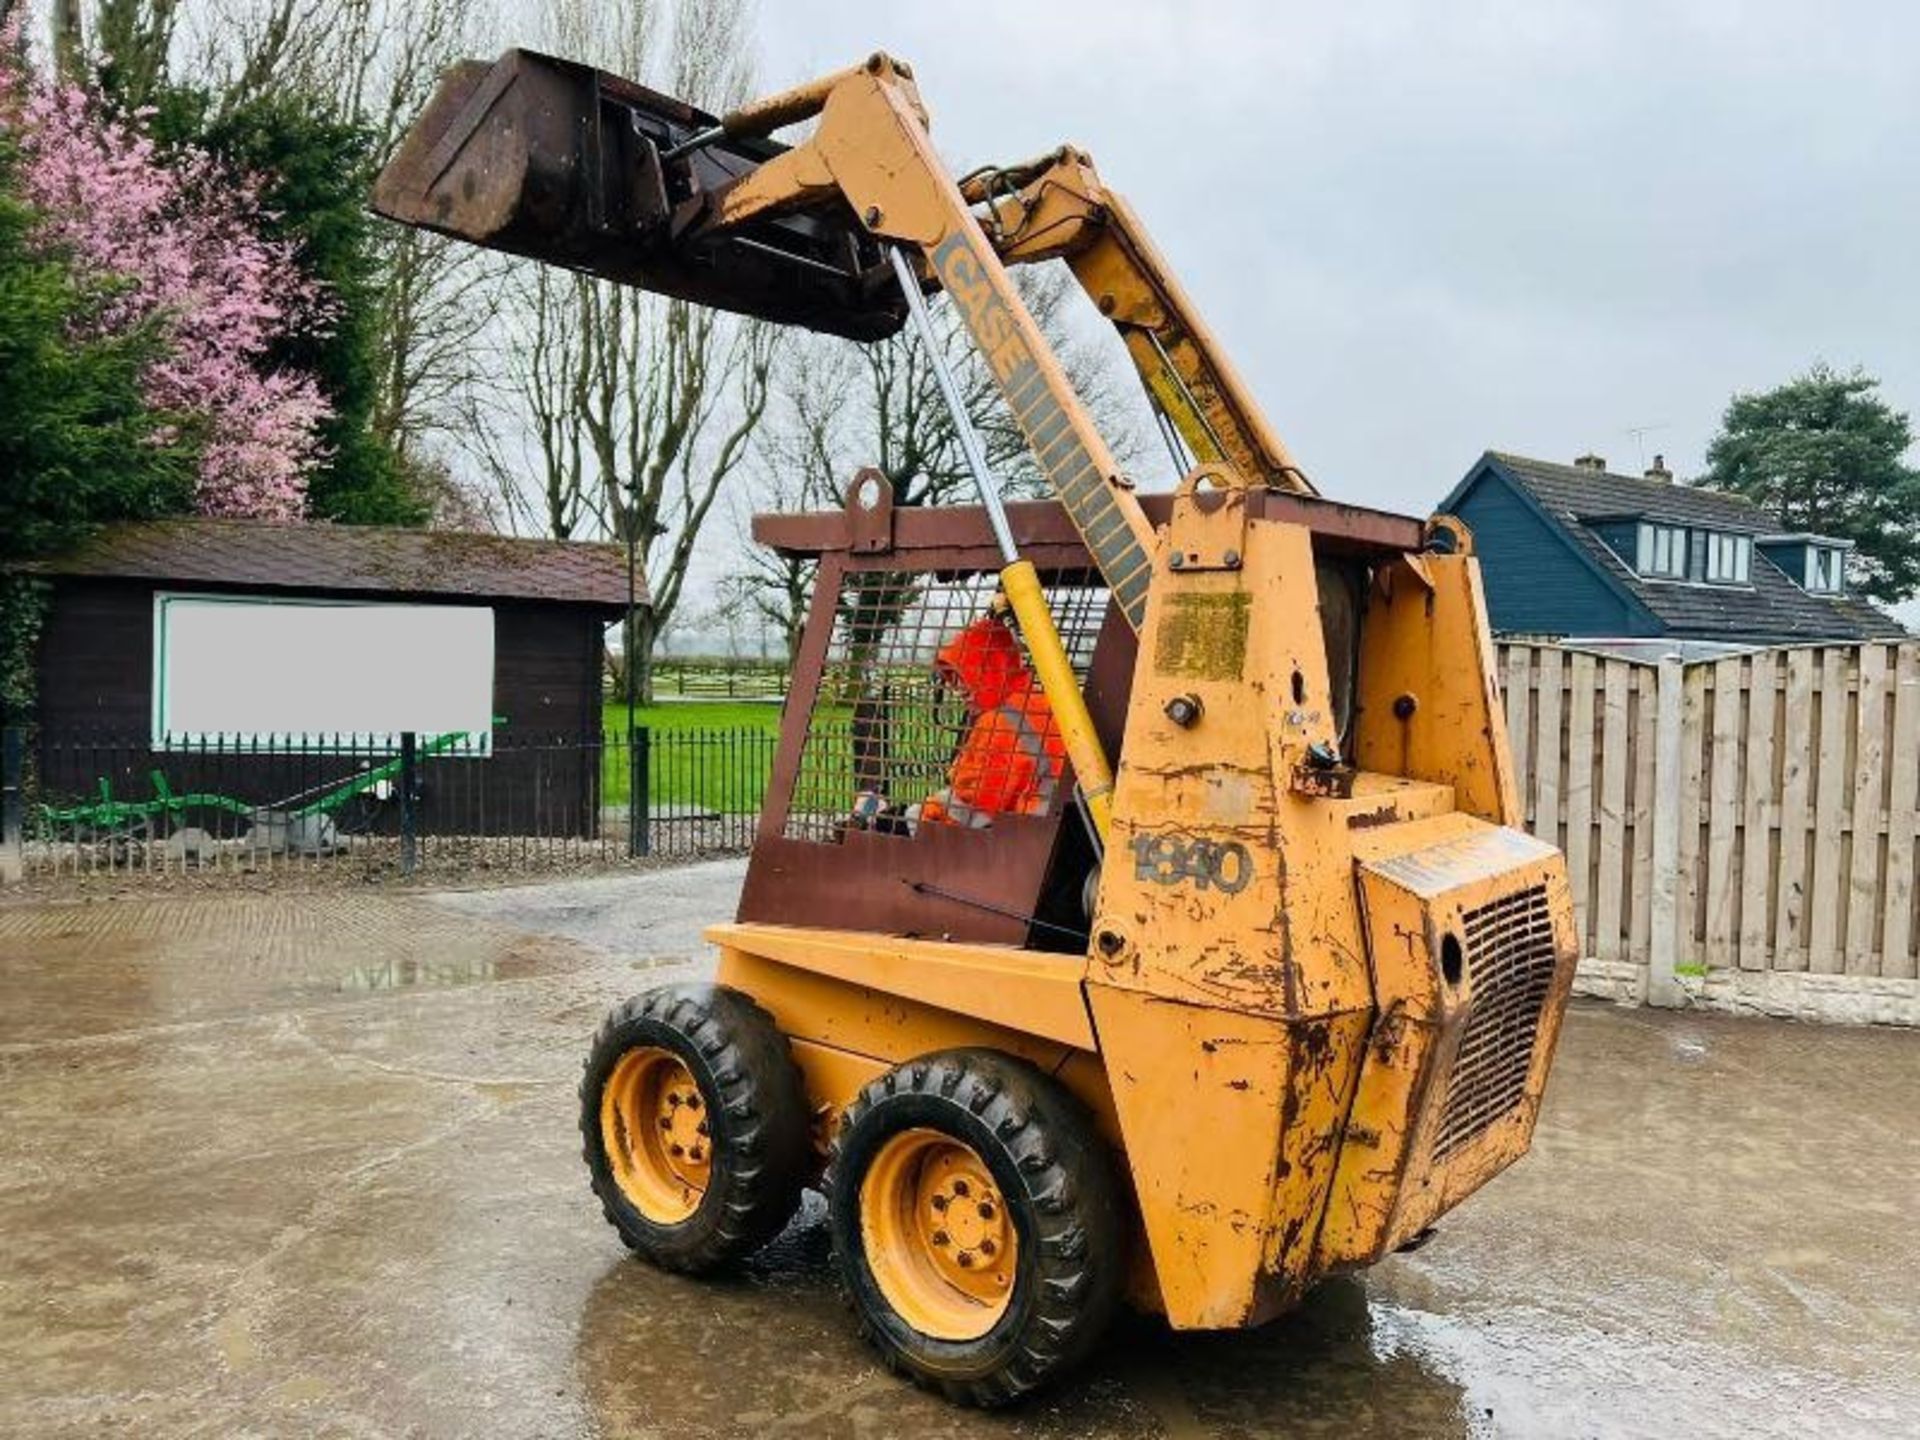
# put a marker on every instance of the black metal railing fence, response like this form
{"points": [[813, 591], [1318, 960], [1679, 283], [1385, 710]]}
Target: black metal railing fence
{"points": [[75, 803]]}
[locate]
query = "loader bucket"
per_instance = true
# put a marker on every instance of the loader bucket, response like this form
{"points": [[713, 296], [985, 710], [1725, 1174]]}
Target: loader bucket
{"points": [[563, 164]]}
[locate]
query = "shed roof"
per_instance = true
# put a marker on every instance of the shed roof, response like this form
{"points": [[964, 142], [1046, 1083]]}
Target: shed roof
{"points": [[1772, 609], [367, 559]]}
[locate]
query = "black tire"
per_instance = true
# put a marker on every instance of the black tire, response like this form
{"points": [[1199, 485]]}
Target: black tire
{"points": [[1056, 1179], [755, 1108]]}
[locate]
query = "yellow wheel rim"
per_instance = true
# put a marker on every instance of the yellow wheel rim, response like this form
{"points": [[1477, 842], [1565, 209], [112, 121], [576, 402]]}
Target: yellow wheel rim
{"points": [[653, 1125], [937, 1235]]}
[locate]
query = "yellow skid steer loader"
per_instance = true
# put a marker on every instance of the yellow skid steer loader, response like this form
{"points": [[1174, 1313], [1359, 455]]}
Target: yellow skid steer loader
{"points": [[1139, 909]]}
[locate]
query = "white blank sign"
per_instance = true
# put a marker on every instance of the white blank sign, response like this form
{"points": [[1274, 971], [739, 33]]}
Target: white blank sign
{"points": [[266, 671]]}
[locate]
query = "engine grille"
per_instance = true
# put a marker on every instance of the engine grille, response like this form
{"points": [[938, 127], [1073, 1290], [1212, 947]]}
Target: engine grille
{"points": [[1509, 960]]}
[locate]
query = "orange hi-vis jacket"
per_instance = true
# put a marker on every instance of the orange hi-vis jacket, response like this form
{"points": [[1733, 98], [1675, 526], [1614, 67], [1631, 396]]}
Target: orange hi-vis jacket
{"points": [[1011, 760]]}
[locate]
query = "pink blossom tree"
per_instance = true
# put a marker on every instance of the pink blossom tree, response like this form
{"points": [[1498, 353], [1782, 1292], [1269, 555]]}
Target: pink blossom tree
{"points": [[172, 239]]}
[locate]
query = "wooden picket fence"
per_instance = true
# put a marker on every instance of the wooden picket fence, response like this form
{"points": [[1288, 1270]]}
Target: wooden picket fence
{"points": [[1756, 813]]}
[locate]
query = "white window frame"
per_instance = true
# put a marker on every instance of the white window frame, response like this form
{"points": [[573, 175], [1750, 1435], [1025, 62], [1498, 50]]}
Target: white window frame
{"points": [[1826, 572], [1729, 558], [1662, 551]]}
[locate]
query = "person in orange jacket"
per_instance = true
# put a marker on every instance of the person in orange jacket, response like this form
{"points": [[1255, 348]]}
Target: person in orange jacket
{"points": [[1012, 757]]}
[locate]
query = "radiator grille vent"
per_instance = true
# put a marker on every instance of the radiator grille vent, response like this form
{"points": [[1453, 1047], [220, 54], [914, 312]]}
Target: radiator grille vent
{"points": [[1509, 957]]}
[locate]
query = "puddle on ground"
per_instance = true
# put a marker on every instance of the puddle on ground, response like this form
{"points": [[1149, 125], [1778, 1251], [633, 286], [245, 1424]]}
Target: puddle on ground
{"points": [[412, 972], [773, 1350], [214, 963]]}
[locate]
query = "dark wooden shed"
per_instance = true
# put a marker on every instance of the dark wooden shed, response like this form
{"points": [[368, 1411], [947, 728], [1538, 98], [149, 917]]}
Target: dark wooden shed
{"points": [[551, 603]]}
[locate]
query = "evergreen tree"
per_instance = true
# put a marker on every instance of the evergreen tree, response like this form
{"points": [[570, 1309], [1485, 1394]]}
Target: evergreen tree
{"points": [[1824, 453]]}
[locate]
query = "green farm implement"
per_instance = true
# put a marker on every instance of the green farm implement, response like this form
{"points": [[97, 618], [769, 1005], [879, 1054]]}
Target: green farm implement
{"points": [[304, 821]]}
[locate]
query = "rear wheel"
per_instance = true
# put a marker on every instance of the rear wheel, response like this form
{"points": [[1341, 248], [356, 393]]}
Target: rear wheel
{"points": [[694, 1125], [976, 1224]]}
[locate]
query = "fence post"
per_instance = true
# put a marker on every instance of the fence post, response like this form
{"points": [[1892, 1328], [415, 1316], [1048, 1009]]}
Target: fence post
{"points": [[13, 750], [409, 774], [1669, 755], [639, 786]]}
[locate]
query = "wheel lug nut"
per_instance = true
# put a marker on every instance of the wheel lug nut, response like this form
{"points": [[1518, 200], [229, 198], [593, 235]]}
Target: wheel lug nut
{"points": [[665, 1123], [673, 1099], [960, 1187], [987, 1247], [678, 1150], [940, 1237], [966, 1259], [939, 1204], [986, 1210], [696, 1153]]}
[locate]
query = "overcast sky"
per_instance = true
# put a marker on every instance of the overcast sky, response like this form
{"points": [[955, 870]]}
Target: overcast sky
{"points": [[1428, 229]]}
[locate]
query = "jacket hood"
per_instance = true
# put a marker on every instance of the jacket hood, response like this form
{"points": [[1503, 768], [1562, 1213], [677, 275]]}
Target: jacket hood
{"points": [[985, 660]]}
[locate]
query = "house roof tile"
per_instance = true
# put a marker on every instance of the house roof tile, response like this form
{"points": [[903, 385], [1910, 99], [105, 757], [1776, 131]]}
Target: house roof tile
{"points": [[352, 558], [1773, 609]]}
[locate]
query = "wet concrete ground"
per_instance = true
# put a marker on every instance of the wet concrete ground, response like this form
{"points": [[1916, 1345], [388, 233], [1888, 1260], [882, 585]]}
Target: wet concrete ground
{"points": [[308, 1165]]}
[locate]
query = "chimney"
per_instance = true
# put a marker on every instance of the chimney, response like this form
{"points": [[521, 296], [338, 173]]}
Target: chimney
{"points": [[1590, 461], [1659, 471]]}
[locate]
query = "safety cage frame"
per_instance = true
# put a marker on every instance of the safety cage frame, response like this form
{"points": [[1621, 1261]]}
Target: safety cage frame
{"points": [[1022, 882], [861, 708]]}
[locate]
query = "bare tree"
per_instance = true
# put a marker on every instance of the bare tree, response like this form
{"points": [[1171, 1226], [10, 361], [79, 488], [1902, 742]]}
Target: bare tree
{"points": [[620, 414], [842, 406], [130, 44], [67, 22], [796, 471], [375, 61], [849, 405]]}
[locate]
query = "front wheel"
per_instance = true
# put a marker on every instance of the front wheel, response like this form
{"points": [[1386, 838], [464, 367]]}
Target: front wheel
{"points": [[976, 1224], [694, 1125]]}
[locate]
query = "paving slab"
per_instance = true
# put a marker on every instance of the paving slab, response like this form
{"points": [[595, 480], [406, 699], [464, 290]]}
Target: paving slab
{"points": [[308, 1165]]}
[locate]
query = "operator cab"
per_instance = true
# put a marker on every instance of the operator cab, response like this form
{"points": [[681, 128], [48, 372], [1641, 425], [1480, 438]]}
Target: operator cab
{"points": [[869, 732]]}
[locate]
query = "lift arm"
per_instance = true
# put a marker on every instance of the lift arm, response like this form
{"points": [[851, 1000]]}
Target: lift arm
{"points": [[572, 166], [1058, 207], [872, 150]]}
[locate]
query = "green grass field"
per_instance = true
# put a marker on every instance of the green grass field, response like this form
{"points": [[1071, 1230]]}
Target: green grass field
{"points": [[717, 754], [714, 754], [695, 715]]}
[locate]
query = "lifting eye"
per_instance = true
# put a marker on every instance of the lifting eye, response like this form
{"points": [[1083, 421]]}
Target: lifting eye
{"points": [[1453, 962], [1299, 688]]}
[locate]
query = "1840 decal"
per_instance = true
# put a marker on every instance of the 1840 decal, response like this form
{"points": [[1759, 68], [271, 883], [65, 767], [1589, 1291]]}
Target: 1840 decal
{"points": [[1204, 864]]}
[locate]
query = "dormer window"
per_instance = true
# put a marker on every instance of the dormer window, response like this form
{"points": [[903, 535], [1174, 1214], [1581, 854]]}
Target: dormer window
{"points": [[1663, 551], [1729, 559], [1826, 569]]}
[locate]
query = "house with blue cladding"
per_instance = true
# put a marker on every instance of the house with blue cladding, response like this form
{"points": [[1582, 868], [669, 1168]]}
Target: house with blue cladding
{"points": [[1580, 552]]}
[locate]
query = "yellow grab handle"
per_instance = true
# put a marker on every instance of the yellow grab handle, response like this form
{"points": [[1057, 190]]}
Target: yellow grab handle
{"points": [[1062, 689]]}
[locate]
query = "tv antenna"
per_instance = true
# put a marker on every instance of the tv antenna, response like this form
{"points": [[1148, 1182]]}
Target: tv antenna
{"points": [[1640, 433]]}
